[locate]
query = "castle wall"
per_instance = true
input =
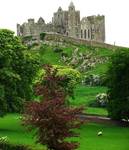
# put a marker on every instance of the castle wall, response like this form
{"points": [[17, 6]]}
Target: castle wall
{"points": [[61, 38], [93, 28]]}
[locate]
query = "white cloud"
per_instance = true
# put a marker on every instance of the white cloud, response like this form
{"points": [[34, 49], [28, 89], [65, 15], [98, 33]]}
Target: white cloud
{"points": [[115, 11]]}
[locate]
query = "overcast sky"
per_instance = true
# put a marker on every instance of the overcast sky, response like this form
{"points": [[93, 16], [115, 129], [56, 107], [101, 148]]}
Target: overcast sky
{"points": [[116, 14]]}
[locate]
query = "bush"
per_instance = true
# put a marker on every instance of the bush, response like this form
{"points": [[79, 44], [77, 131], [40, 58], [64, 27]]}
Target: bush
{"points": [[118, 85], [57, 50], [100, 101]]}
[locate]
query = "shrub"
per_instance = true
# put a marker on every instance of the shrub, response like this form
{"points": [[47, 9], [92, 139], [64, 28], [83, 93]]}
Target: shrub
{"points": [[102, 99], [42, 36], [57, 50]]}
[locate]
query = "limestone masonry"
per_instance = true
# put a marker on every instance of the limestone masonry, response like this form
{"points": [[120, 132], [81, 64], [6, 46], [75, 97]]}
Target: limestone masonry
{"points": [[66, 23]]}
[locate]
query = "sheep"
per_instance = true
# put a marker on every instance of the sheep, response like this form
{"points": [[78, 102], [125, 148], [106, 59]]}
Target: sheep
{"points": [[100, 133]]}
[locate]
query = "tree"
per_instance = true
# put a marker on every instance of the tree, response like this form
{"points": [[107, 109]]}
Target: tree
{"points": [[53, 119], [17, 70], [118, 84]]}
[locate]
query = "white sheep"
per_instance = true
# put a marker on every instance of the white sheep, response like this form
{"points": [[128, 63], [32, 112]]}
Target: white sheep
{"points": [[100, 133]]}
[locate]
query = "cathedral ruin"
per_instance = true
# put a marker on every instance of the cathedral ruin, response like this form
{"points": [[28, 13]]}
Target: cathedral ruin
{"points": [[67, 23]]}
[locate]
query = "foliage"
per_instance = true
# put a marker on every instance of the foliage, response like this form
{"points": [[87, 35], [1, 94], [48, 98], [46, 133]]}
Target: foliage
{"points": [[42, 36], [92, 80], [118, 84], [52, 118], [73, 76], [17, 69], [57, 50]]}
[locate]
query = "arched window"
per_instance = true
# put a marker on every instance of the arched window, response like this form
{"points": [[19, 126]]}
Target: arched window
{"points": [[85, 34], [88, 33], [81, 34]]}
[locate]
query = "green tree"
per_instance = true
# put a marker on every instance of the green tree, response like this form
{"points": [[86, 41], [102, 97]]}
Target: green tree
{"points": [[17, 69], [118, 84]]}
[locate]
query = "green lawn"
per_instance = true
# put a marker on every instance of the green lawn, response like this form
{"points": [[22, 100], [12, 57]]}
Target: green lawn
{"points": [[114, 137], [84, 95], [11, 127]]}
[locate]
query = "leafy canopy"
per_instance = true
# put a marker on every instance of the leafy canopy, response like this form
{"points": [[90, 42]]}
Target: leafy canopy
{"points": [[118, 84], [17, 69]]}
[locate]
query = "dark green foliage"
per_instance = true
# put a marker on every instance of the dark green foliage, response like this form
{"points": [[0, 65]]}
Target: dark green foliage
{"points": [[42, 36], [118, 84], [17, 69], [9, 146], [57, 50]]}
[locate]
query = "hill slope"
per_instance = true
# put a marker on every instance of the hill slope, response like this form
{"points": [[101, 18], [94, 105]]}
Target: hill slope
{"points": [[89, 60]]}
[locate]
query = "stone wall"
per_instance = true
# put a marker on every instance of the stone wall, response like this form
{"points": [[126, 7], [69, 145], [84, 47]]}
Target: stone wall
{"points": [[76, 41]]}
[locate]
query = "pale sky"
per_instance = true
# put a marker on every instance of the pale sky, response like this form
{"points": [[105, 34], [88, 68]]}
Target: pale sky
{"points": [[116, 14]]}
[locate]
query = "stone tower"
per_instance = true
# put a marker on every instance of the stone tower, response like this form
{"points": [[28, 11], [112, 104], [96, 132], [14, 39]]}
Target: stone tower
{"points": [[60, 21], [73, 21]]}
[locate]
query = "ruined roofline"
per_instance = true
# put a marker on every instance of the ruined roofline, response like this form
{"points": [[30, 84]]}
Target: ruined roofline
{"points": [[93, 16]]}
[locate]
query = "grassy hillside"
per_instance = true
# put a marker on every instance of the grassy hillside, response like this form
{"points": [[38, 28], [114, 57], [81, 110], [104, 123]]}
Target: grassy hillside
{"points": [[83, 94], [48, 55]]}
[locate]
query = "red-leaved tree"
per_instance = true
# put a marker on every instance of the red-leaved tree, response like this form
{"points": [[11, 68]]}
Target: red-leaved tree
{"points": [[53, 119]]}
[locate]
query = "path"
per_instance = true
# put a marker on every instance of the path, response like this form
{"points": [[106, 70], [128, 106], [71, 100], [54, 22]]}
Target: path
{"points": [[102, 119]]}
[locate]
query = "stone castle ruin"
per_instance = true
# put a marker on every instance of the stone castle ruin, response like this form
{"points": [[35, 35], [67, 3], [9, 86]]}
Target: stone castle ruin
{"points": [[67, 23]]}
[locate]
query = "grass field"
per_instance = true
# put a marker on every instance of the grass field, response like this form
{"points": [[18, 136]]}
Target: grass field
{"points": [[11, 127], [86, 94], [114, 137]]}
